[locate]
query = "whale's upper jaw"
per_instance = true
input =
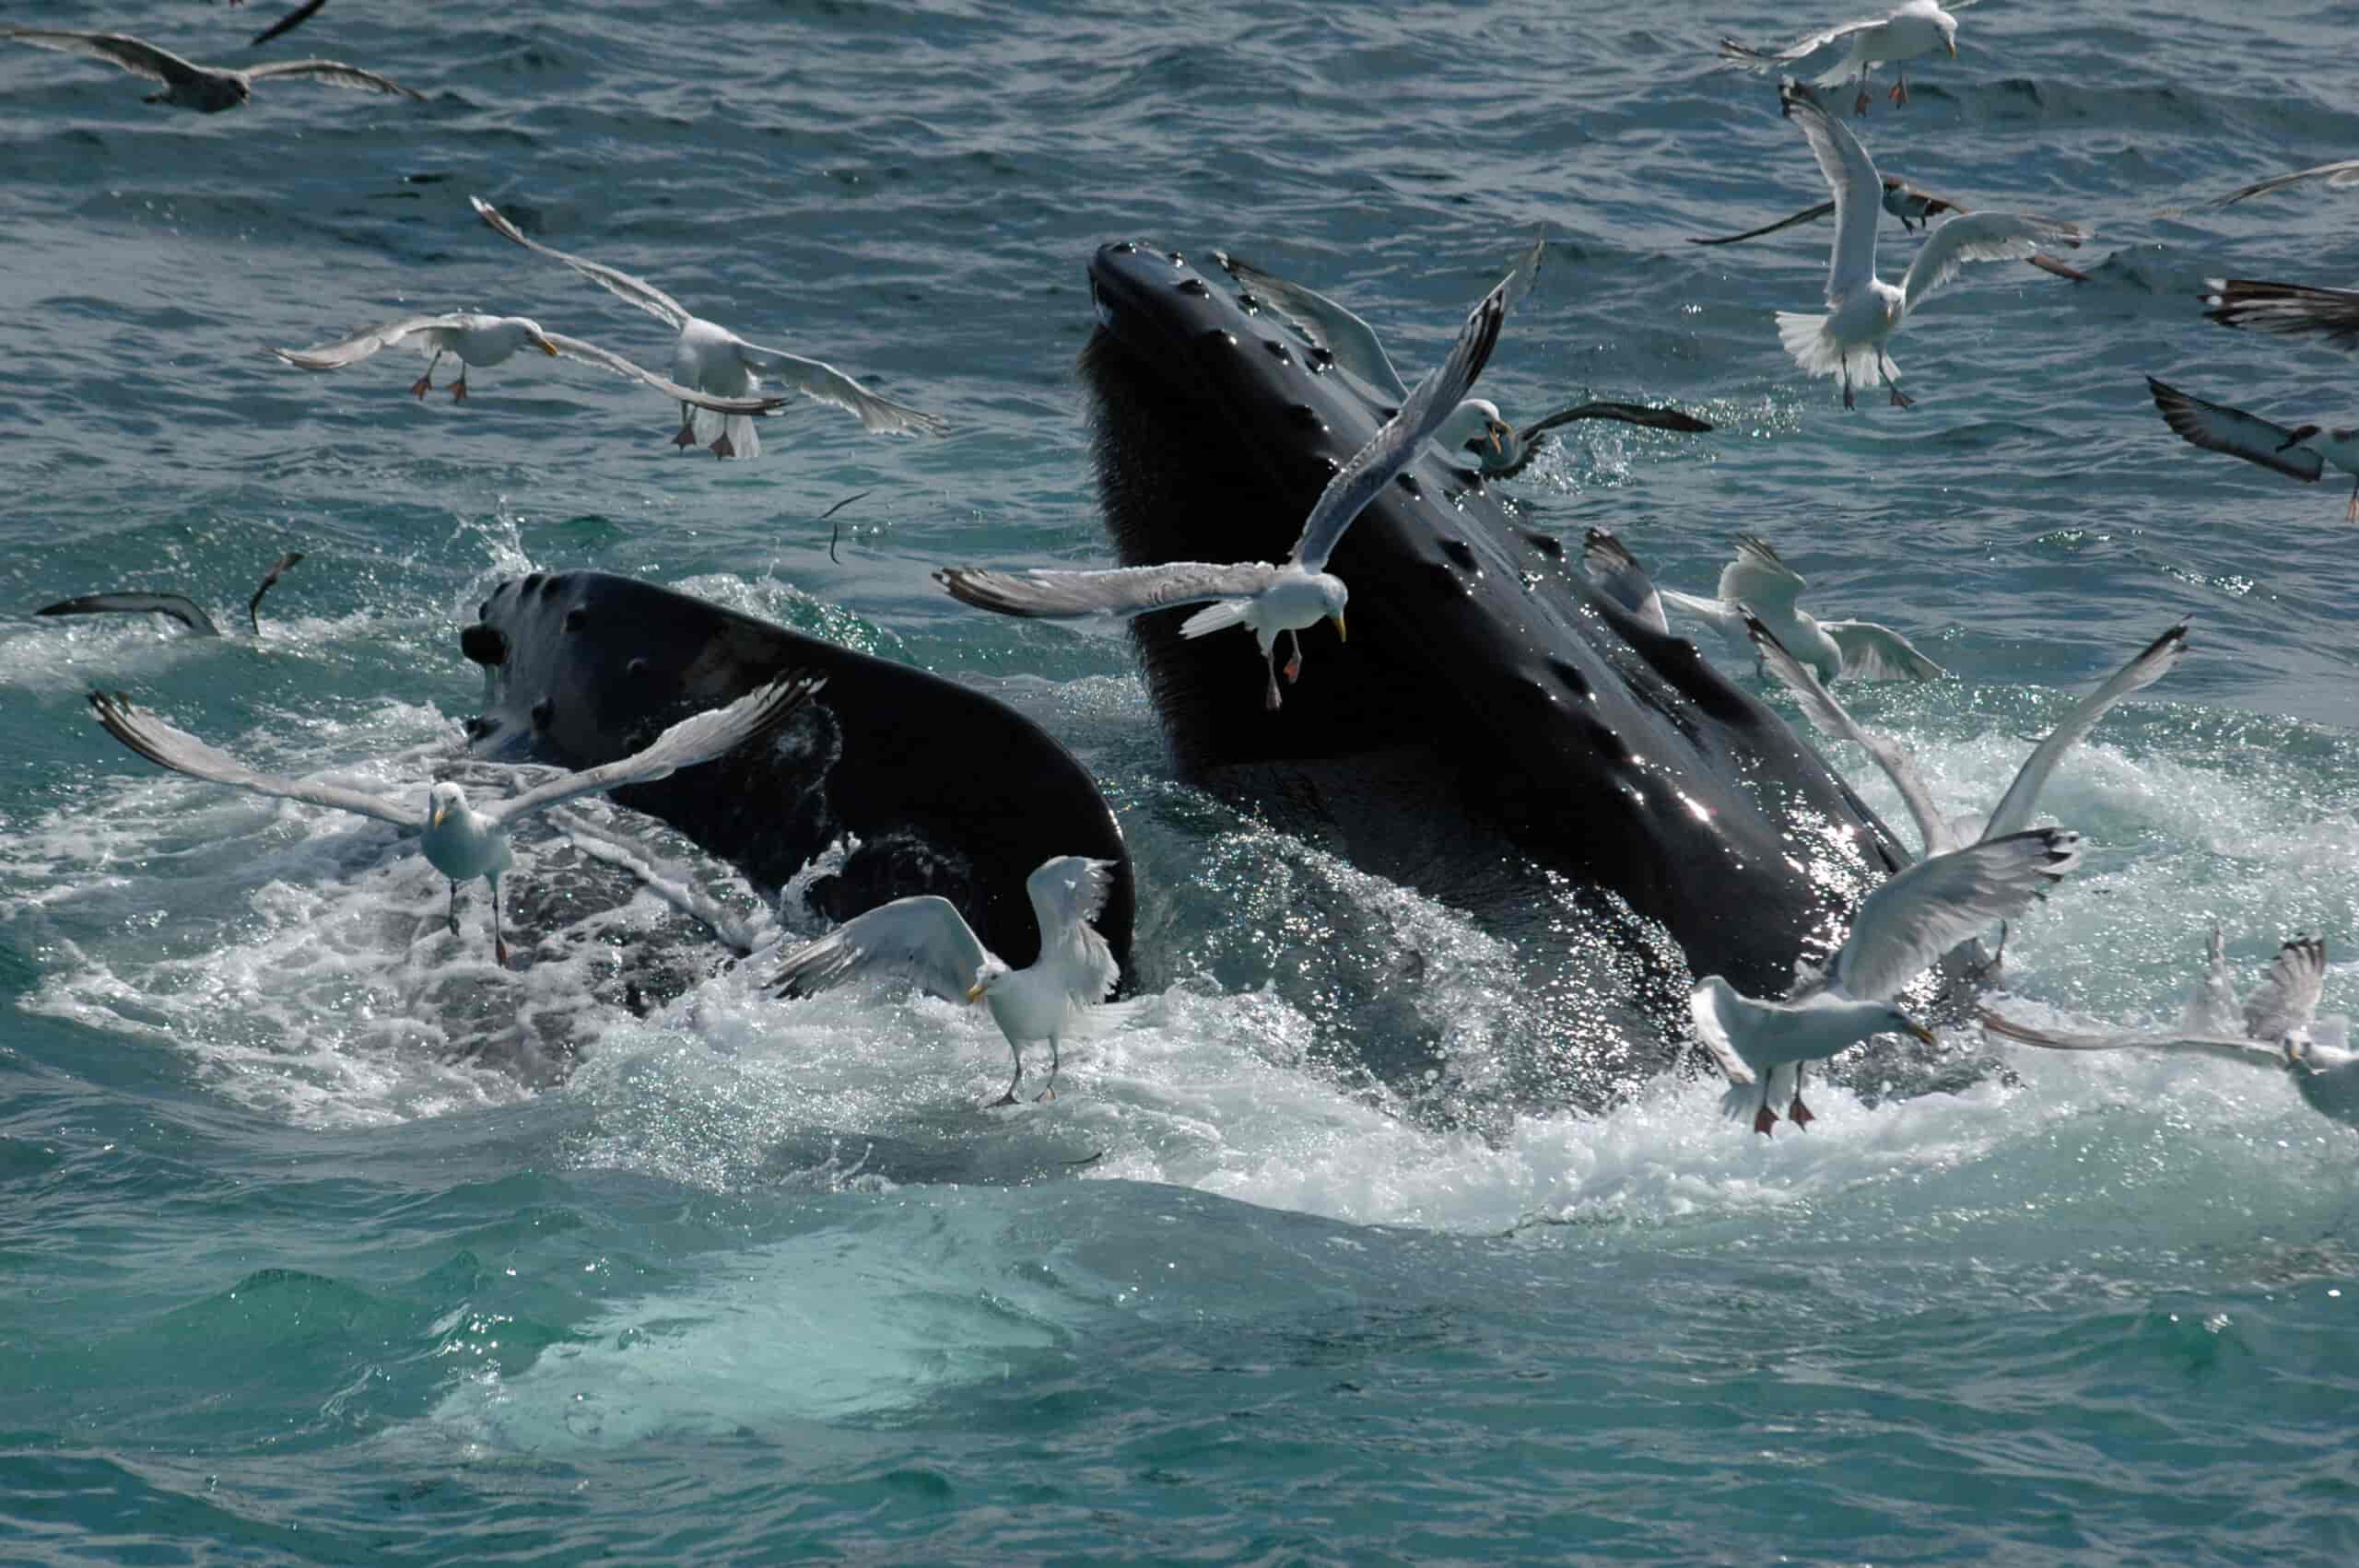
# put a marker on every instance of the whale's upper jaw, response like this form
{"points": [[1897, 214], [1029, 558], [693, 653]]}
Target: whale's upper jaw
{"points": [[1599, 743]]}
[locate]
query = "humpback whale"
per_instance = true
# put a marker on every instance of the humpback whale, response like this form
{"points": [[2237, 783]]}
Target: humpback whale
{"points": [[1487, 685], [946, 789]]}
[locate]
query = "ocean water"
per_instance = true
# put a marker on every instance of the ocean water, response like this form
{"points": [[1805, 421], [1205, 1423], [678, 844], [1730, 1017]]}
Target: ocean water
{"points": [[322, 1241]]}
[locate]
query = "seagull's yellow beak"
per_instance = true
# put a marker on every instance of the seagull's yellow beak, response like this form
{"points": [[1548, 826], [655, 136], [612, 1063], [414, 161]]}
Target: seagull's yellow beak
{"points": [[975, 991], [1497, 445], [1952, 44], [436, 819], [545, 347], [1340, 635], [1924, 1034]]}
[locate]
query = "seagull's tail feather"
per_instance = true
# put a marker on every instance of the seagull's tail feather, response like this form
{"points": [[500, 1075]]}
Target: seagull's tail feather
{"points": [[1216, 617], [744, 437], [1811, 341]]}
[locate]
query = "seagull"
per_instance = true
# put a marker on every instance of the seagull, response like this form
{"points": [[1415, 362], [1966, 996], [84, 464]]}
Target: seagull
{"points": [[1620, 577], [461, 841], [1918, 28], [209, 89], [1914, 208], [1864, 311], [2278, 1027], [1900, 929], [1757, 580], [178, 606], [1937, 834], [713, 360], [2301, 453], [288, 23], [480, 340], [927, 941], [1475, 426], [1266, 599], [2289, 309], [2339, 176]]}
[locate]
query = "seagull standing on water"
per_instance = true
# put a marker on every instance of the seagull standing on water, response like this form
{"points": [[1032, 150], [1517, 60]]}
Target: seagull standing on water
{"points": [[1918, 28], [1863, 310], [1757, 580], [483, 341], [2300, 453], [209, 89], [2278, 1027], [926, 940], [713, 360], [461, 841], [1476, 427], [1268, 600], [1901, 928]]}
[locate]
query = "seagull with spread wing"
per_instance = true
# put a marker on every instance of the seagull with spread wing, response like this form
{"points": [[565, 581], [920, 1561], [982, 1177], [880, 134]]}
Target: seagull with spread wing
{"points": [[2278, 1027], [480, 341], [1900, 929], [1759, 581], [2301, 452], [465, 842], [1268, 600], [1476, 427], [177, 606], [1914, 208], [715, 360], [2340, 175], [1937, 834], [925, 939], [1920, 26], [1864, 311], [209, 89]]}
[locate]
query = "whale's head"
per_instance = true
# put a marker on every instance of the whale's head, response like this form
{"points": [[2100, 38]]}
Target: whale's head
{"points": [[1600, 746]]}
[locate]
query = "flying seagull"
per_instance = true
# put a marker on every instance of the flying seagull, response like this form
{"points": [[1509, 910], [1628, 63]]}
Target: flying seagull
{"points": [[2300, 453], [1900, 929], [481, 341], [1863, 310], [1475, 426], [2289, 309], [209, 89], [2277, 1028], [1918, 28], [288, 23], [1937, 834], [461, 841], [1914, 208], [2339, 176], [1758, 580], [1266, 599], [713, 360], [925, 939], [178, 606]]}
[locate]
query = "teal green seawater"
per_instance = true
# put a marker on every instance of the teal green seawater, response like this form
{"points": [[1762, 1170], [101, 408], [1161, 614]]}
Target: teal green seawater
{"points": [[322, 1241]]}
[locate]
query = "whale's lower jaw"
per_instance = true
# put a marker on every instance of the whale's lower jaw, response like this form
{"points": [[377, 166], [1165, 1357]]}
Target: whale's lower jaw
{"points": [[947, 791], [1596, 745]]}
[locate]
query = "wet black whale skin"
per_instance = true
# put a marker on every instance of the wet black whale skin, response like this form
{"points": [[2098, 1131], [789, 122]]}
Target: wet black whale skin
{"points": [[949, 790], [1483, 678]]}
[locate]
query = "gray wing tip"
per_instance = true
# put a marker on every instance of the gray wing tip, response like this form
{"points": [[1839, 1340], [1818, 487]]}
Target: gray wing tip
{"points": [[972, 585]]}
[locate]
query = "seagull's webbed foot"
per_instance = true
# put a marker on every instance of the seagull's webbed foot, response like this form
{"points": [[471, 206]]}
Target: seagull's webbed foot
{"points": [[1009, 1098], [500, 950], [459, 390], [1271, 700], [1763, 1120], [1860, 107], [724, 446], [1848, 401], [1901, 400], [687, 438], [1800, 1114], [420, 387], [1900, 89], [1294, 660]]}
